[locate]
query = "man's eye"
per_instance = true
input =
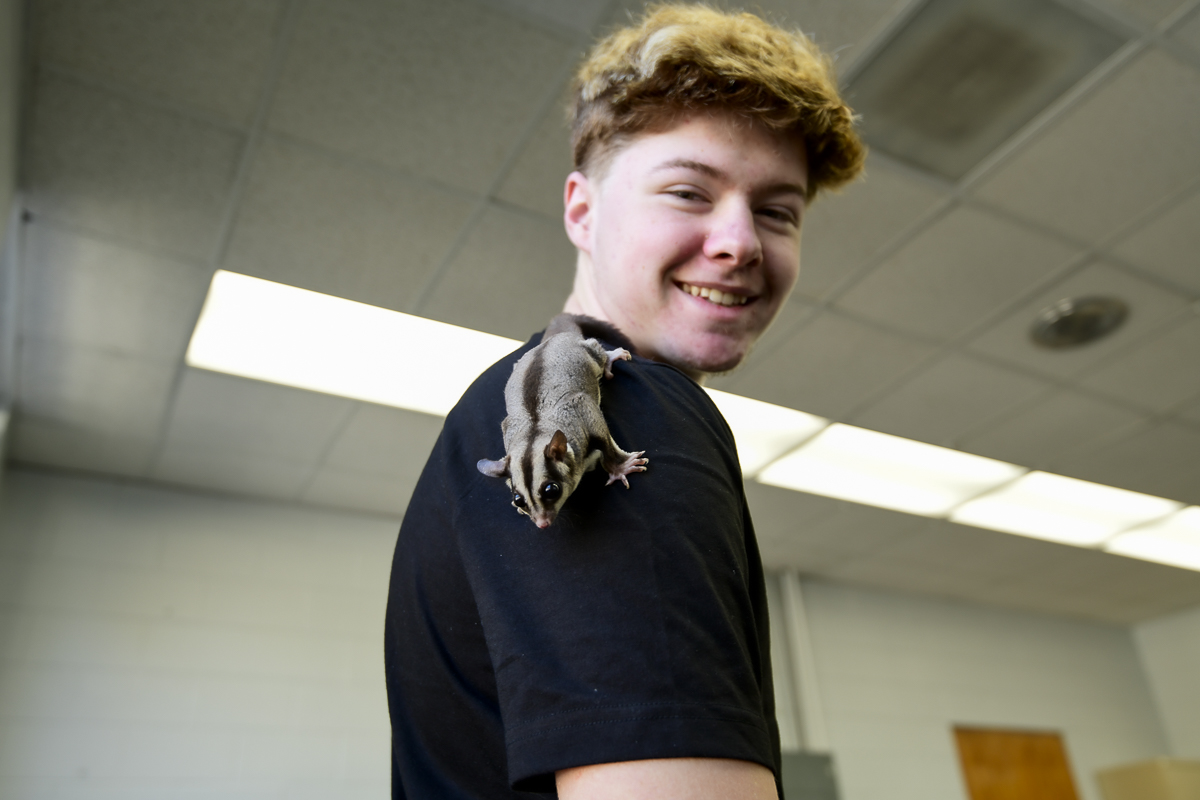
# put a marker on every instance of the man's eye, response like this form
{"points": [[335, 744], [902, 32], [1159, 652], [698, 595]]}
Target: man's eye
{"points": [[781, 214], [685, 194], [518, 501]]}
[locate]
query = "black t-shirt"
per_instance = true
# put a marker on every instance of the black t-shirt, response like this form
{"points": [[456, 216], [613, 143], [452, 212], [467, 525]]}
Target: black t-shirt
{"points": [[635, 627]]}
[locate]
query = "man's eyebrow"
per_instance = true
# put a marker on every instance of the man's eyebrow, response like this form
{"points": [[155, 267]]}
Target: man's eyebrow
{"points": [[793, 188], [687, 163], [713, 172]]}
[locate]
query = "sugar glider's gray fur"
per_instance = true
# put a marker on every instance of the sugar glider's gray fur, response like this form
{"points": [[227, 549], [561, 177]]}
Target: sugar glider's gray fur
{"points": [[555, 431]]}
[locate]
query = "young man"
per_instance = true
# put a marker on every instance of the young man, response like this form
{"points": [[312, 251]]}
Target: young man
{"points": [[623, 652]]}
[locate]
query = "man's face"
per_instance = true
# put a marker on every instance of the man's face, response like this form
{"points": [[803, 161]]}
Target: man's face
{"points": [[710, 207]]}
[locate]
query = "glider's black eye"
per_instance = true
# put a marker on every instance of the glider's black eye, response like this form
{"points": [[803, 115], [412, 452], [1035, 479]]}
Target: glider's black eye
{"points": [[518, 501], [551, 491]]}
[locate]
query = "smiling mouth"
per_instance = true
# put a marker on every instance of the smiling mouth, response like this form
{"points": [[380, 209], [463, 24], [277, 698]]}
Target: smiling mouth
{"points": [[715, 296]]}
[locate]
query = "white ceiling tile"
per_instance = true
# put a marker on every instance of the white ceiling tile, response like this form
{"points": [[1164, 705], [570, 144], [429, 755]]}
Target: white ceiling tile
{"points": [[1191, 413], [578, 16], [1148, 12], [784, 514], [82, 290], [1052, 428], [1168, 245], [511, 276], [817, 534], [1018, 572], [956, 273], [856, 529], [441, 89], [225, 470], [538, 175], [71, 445], [212, 56], [361, 491], [225, 414], [1150, 307], [388, 442], [108, 164], [316, 222], [1085, 569], [948, 546], [830, 366], [1189, 31], [1160, 374], [1138, 580], [844, 228], [1159, 460], [1094, 171], [839, 27], [95, 390], [948, 399], [881, 571]]}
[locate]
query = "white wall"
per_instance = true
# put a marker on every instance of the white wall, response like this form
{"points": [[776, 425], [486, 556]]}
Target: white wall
{"points": [[1170, 651], [10, 91], [897, 672], [168, 644], [162, 644], [10, 75]]}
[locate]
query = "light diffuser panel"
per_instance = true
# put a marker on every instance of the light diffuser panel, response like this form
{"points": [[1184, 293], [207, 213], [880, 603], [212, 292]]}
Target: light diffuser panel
{"points": [[877, 469], [1174, 540], [271, 332], [764, 431], [1062, 509]]}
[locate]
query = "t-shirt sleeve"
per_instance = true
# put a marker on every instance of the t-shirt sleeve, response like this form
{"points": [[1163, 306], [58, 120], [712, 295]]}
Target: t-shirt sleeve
{"points": [[634, 627]]}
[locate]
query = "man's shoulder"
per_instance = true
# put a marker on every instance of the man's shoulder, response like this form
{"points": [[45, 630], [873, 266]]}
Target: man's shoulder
{"points": [[653, 393]]}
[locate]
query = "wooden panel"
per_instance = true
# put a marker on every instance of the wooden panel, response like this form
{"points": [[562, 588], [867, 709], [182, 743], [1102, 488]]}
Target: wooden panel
{"points": [[1014, 765], [1158, 779]]}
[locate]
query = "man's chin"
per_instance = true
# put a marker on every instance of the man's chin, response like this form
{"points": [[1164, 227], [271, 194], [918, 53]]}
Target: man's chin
{"points": [[708, 363]]}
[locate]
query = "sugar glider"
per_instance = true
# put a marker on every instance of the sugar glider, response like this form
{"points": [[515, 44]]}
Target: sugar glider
{"points": [[555, 431]]}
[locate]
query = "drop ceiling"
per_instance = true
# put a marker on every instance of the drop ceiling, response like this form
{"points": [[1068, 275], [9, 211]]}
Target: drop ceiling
{"points": [[411, 155]]}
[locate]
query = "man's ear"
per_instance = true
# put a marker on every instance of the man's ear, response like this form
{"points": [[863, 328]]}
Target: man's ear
{"points": [[577, 210]]}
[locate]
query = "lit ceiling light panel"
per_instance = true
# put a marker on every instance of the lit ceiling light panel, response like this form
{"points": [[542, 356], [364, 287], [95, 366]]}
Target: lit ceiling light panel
{"points": [[764, 431], [877, 469], [1062, 509], [271, 332], [1174, 540]]}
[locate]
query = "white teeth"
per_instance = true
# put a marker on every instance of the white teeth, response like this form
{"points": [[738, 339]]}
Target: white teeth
{"points": [[715, 295]]}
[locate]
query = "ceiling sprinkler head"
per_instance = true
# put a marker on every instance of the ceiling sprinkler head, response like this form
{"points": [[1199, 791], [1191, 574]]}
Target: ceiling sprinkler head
{"points": [[1076, 321]]}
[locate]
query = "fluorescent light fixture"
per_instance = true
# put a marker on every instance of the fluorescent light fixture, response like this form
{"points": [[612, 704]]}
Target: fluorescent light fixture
{"points": [[1062, 509], [271, 332], [1174, 540], [764, 431], [877, 469]]}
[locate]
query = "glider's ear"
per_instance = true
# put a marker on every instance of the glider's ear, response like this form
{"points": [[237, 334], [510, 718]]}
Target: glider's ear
{"points": [[494, 469], [557, 449]]}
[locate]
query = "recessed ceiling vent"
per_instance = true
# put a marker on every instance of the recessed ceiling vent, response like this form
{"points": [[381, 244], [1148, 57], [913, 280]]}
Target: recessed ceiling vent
{"points": [[1077, 321], [962, 76]]}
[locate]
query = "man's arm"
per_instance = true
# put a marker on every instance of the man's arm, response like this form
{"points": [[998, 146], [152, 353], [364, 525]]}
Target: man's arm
{"points": [[668, 779]]}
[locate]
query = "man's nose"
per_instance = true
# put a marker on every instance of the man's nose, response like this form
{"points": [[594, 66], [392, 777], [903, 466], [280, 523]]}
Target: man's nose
{"points": [[733, 238]]}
